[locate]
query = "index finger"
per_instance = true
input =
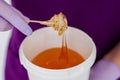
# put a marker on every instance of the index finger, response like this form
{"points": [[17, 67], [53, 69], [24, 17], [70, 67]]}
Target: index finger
{"points": [[8, 13]]}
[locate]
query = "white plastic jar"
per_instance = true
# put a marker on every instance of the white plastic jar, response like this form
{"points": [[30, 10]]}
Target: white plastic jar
{"points": [[46, 38]]}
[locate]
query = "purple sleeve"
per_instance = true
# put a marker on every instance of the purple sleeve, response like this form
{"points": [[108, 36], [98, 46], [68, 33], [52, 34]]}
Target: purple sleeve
{"points": [[105, 70]]}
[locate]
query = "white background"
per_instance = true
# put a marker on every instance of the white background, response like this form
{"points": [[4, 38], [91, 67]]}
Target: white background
{"points": [[4, 39]]}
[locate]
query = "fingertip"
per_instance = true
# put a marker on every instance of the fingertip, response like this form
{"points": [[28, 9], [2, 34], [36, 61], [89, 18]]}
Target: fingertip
{"points": [[28, 32]]}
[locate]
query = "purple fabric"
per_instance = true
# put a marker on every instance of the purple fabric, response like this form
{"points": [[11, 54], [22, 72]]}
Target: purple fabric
{"points": [[99, 18], [107, 71]]}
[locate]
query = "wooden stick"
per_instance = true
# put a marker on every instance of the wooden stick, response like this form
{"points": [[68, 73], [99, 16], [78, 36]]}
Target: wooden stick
{"points": [[40, 22]]}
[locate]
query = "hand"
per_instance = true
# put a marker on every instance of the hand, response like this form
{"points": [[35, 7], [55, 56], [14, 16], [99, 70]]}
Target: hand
{"points": [[114, 55], [107, 68], [9, 17]]}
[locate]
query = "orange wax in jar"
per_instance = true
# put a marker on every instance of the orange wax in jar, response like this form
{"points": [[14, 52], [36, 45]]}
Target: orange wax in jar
{"points": [[58, 58]]}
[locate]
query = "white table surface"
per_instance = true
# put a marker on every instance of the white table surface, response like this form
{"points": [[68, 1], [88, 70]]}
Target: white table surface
{"points": [[4, 39]]}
